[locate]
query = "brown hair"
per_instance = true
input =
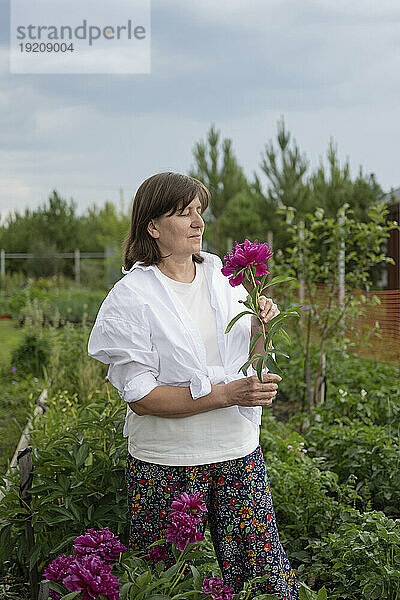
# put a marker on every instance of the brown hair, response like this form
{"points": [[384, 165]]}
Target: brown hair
{"points": [[160, 194]]}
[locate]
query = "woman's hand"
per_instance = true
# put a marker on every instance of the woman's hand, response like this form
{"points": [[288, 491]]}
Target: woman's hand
{"points": [[250, 391], [267, 311]]}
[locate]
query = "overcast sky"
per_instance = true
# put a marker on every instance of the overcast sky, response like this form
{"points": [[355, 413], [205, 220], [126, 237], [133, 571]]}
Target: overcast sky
{"points": [[331, 68]]}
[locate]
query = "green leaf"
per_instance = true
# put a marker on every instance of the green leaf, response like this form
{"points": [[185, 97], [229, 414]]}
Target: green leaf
{"points": [[275, 351], [71, 595], [285, 335], [305, 593], [231, 323], [34, 555], [143, 579], [197, 578], [184, 594], [57, 587], [64, 543], [272, 365], [277, 280], [82, 454], [322, 594], [277, 322], [172, 570], [259, 368]]}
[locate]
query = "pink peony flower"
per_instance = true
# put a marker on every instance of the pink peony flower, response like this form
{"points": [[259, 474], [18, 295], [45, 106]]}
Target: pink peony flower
{"points": [[57, 570], [216, 587], [158, 553], [246, 254], [103, 543], [182, 529], [93, 577], [190, 503]]}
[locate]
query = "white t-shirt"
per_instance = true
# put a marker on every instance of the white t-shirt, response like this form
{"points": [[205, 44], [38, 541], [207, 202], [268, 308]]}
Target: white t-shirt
{"points": [[212, 436]]}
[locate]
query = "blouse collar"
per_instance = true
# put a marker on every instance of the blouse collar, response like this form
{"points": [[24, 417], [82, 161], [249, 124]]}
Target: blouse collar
{"points": [[138, 265]]}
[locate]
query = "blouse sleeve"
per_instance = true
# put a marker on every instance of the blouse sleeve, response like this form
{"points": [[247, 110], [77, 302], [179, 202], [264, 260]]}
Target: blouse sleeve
{"points": [[126, 346]]}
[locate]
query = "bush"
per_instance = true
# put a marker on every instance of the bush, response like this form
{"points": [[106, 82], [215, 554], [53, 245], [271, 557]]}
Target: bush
{"points": [[361, 559], [79, 459], [368, 453], [32, 354]]}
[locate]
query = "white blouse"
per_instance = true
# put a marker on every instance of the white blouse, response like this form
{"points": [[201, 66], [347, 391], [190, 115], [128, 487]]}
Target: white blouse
{"points": [[144, 331]]}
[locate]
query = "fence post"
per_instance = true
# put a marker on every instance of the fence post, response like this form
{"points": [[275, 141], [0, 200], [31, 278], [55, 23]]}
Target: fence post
{"points": [[341, 265], [25, 469], [44, 589], [77, 258], [2, 262], [301, 280], [321, 384]]}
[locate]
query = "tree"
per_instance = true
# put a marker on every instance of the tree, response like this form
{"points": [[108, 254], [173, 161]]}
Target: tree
{"points": [[286, 170], [217, 167], [303, 260]]}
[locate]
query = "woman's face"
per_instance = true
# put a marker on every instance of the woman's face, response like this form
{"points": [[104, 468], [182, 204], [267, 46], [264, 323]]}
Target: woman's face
{"points": [[181, 233]]}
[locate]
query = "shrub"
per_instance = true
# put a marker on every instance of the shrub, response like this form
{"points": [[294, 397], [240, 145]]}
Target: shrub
{"points": [[32, 354], [366, 451]]}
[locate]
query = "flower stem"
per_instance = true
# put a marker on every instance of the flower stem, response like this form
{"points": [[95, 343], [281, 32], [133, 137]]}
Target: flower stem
{"points": [[178, 575], [258, 302]]}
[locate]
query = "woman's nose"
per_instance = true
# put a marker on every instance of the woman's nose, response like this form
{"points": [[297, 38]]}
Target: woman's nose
{"points": [[197, 221]]}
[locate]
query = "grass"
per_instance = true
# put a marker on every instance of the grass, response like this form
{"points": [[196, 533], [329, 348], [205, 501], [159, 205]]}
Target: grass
{"points": [[14, 398], [10, 336]]}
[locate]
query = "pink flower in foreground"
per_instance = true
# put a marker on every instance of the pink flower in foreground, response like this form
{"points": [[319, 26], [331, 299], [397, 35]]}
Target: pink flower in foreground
{"points": [[93, 577], [216, 587], [103, 543], [190, 503], [246, 254], [182, 529], [57, 570], [158, 553]]}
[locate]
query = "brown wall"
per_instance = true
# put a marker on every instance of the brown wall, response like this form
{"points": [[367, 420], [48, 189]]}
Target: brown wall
{"points": [[393, 249]]}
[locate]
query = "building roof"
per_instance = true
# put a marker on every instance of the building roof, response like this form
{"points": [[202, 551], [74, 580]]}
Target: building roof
{"points": [[388, 197]]}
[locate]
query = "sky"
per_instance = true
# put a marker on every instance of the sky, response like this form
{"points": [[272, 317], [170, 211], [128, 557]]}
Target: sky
{"points": [[330, 69]]}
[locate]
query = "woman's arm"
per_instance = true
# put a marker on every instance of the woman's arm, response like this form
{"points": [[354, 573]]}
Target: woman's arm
{"points": [[173, 402], [164, 400]]}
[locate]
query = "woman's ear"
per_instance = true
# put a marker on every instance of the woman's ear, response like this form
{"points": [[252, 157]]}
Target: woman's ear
{"points": [[152, 229]]}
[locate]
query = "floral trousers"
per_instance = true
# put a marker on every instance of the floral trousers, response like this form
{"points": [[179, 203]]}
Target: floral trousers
{"points": [[240, 516]]}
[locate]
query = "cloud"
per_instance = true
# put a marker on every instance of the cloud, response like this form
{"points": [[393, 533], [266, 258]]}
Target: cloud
{"points": [[328, 67]]}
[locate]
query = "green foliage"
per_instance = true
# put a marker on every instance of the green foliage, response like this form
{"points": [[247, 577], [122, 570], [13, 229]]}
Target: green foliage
{"points": [[322, 477], [57, 303], [79, 461], [363, 557], [353, 392], [32, 354], [320, 236], [55, 227], [366, 451], [17, 393]]}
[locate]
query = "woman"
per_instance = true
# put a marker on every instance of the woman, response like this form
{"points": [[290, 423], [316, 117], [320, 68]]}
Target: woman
{"points": [[192, 420]]}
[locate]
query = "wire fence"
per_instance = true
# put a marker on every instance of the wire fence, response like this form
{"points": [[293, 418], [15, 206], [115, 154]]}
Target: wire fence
{"points": [[385, 311]]}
